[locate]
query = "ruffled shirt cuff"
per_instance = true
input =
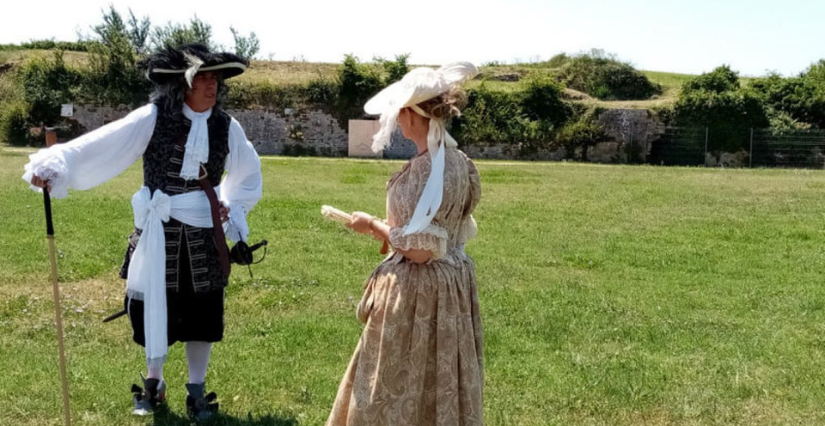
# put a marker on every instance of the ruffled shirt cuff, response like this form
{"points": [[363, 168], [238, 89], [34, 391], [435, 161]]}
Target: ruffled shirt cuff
{"points": [[432, 238], [236, 228], [49, 164]]}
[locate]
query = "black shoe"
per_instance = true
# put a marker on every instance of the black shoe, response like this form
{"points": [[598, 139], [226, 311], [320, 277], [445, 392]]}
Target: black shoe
{"points": [[198, 406], [147, 399]]}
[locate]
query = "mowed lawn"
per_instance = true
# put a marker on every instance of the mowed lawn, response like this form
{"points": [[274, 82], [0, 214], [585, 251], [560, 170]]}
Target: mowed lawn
{"points": [[611, 295]]}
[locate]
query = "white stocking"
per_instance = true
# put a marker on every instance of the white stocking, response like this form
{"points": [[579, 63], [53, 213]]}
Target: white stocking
{"points": [[197, 356]]}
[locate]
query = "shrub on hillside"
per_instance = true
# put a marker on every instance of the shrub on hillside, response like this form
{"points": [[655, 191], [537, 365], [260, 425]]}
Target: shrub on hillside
{"points": [[357, 83], [396, 69], [557, 61], [604, 77], [245, 94], [721, 79], [489, 117], [14, 127], [582, 134], [48, 83], [798, 99], [528, 118], [320, 92], [542, 99]]}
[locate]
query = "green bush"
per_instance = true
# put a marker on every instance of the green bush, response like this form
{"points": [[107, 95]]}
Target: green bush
{"points": [[10, 88], [716, 100], [604, 77], [395, 69], [782, 121], [557, 61], [244, 94], [490, 116], [503, 117], [798, 99], [530, 118], [581, 133], [320, 92], [357, 83], [542, 99], [48, 83], [721, 79], [14, 127]]}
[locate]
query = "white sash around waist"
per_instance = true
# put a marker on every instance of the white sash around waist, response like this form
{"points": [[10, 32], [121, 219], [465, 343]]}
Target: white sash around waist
{"points": [[146, 279]]}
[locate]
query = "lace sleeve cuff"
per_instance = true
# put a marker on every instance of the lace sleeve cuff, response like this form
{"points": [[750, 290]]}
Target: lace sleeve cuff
{"points": [[432, 238]]}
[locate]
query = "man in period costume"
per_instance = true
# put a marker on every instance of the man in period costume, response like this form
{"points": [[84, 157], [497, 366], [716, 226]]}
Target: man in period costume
{"points": [[176, 265]]}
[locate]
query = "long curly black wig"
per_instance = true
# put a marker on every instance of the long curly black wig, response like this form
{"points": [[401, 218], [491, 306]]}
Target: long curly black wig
{"points": [[170, 87]]}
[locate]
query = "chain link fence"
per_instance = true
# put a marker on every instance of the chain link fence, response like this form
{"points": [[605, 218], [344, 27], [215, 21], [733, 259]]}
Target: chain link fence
{"points": [[681, 146]]}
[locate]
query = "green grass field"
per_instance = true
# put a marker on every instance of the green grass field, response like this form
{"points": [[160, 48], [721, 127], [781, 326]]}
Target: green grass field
{"points": [[611, 295]]}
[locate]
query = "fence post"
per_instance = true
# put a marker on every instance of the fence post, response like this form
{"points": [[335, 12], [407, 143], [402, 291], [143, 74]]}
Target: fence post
{"points": [[750, 154], [705, 157], [51, 136]]}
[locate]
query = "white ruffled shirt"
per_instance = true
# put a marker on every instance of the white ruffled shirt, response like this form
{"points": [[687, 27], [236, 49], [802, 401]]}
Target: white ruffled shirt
{"points": [[104, 153], [98, 156]]}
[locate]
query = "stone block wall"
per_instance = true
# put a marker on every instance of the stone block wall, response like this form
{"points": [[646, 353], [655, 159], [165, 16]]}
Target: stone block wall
{"points": [[309, 132]]}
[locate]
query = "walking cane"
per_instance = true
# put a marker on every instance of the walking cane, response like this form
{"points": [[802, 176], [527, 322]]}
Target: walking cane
{"points": [[47, 203]]}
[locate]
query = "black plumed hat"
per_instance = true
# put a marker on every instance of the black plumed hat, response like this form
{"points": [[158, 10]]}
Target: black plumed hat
{"points": [[188, 60]]}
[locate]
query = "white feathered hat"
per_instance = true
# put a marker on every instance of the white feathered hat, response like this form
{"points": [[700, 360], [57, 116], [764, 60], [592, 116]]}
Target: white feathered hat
{"points": [[419, 85]]}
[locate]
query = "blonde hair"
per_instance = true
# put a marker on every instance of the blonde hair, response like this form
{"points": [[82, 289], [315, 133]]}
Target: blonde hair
{"points": [[446, 105]]}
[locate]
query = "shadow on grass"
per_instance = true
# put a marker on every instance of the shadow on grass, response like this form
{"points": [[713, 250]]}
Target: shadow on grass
{"points": [[164, 417]]}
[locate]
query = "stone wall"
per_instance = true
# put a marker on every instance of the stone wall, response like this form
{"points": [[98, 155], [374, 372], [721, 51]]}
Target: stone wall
{"points": [[632, 132], [90, 117], [400, 147], [293, 132], [502, 151], [300, 132], [289, 131]]}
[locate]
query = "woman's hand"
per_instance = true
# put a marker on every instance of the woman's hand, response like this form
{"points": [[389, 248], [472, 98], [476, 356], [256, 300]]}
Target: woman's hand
{"points": [[361, 222]]}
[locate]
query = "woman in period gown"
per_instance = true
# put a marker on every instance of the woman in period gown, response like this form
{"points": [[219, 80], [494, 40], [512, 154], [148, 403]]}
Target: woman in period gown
{"points": [[419, 359]]}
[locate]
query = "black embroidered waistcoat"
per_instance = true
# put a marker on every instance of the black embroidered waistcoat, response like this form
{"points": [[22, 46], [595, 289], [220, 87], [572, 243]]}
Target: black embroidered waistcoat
{"points": [[162, 162]]}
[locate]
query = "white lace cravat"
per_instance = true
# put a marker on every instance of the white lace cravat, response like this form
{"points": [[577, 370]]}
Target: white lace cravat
{"points": [[197, 143]]}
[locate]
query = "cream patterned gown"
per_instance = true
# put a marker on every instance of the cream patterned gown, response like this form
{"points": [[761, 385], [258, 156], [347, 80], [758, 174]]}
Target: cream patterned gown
{"points": [[419, 360]]}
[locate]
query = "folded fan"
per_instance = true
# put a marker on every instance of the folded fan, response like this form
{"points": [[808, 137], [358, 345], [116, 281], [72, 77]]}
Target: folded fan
{"points": [[332, 213]]}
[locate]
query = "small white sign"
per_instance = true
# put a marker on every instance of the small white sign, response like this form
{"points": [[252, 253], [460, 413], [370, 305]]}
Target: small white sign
{"points": [[66, 110]]}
